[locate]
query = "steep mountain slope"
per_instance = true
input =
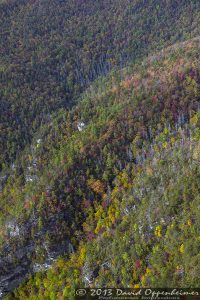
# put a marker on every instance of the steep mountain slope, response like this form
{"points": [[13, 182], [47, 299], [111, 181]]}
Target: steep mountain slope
{"points": [[51, 50], [132, 240], [123, 162]]}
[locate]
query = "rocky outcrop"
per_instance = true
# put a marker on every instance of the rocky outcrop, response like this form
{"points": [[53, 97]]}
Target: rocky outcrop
{"points": [[19, 256]]}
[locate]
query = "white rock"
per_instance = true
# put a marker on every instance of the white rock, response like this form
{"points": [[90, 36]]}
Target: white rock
{"points": [[29, 178], [39, 141], [13, 166], [81, 126], [43, 267], [13, 229]]}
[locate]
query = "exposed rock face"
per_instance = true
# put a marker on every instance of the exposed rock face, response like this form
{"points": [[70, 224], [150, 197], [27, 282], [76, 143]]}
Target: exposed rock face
{"points": [[14, 268], [19, 256]]}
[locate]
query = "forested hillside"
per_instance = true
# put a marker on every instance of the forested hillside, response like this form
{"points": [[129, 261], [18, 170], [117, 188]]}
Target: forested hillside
{"points": [[52, 50], [111, 186]]}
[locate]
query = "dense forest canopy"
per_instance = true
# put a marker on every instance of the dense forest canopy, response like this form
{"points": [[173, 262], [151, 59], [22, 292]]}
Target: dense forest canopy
{"points": [[100, 139], [51, 50]]}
